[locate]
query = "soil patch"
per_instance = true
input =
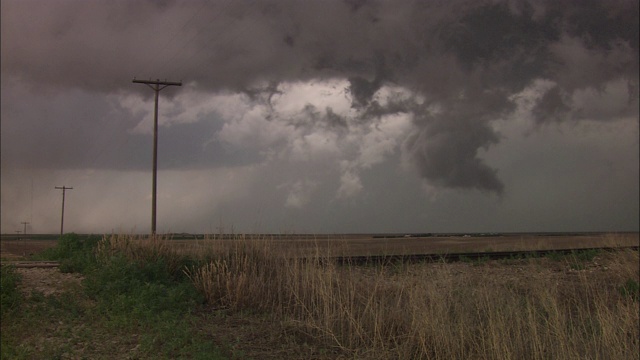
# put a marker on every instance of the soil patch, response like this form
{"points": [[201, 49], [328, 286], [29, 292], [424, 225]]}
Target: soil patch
{"points": [[20, 249], [48, 281]]}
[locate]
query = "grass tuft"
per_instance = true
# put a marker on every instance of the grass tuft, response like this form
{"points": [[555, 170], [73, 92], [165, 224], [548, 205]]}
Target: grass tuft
{"points": [[10, 296], [630, 289], [427, 311]]}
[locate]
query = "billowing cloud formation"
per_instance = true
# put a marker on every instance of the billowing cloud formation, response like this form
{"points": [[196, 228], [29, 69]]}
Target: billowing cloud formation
{"points": [[465, 58], [342, 84]]}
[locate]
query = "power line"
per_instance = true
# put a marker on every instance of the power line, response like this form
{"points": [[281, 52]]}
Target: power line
{"points": [[156, 86]]}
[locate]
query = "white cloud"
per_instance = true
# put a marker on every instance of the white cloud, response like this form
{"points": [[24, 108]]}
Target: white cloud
{"points": [[253, 131], [382, 138], [293, 130], [299, 193], [350, 185], [313, 146], [321, 94]]}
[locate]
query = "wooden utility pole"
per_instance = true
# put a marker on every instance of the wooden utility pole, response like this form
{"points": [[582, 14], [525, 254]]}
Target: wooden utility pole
{"points": [[25, 223], [64, 189], [156, 86]]}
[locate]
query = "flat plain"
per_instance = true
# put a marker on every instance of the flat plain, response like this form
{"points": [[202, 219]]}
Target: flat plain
{"points": [[371, 244]]}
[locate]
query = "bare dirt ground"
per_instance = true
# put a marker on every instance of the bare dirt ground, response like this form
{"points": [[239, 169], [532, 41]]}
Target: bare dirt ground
{"points": [[48, 281], [15, 250]]}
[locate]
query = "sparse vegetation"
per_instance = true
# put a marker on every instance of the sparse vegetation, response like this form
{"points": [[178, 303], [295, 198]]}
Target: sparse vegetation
{"points": [[137, 307], [10, 297], [631, 289], [427, 311], [555, 256], [75, 253], [156, 300]]}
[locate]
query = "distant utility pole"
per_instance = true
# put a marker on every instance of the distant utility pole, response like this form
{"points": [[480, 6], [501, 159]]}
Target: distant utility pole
{"points": [[25, 223], [64, 189], [156, 86]]}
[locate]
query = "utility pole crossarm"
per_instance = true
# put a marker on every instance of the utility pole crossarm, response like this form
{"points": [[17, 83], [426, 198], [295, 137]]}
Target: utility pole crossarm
{"points": [[158, 82]]}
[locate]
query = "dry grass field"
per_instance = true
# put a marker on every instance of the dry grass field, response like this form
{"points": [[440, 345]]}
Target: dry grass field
{"points": [[570, 307], [356, 245], [264, 303]]}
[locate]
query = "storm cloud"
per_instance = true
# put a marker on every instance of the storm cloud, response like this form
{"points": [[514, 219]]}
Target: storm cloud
{"points": [[344, 85]]}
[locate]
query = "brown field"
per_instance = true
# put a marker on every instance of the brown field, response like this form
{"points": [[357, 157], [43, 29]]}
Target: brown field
{"points": [[354, 245], [19, 249]]}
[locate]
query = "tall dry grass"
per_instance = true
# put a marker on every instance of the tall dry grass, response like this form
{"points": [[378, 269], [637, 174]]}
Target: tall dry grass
{"points": [[428, 311]]}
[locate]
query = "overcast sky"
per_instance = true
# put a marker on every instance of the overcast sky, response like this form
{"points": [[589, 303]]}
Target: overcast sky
{"points": [[321, 116]]}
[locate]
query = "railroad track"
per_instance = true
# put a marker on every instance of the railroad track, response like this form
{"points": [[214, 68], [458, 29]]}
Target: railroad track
{"points": [[469, 256], [403, 259], [31, 264]]}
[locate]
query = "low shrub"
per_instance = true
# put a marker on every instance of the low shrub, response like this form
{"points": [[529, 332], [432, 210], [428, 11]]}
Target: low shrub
{"points": [[141, 290], [10, 297], [585, 255], [74, 252], [631, 288], [555, 256]]}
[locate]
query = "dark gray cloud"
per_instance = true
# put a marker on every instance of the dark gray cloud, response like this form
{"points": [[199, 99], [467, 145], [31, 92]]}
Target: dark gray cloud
{"points": [[552, 106], [98, 45], [463, 64], [446, 150], [80, 130]]}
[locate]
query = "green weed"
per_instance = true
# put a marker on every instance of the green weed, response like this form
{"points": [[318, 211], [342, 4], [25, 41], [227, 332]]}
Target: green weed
{"points": [[555, 256], [10, 297], [475, 262], [578, 258], [74, 252], [578, 266], [631, 288], [585, 255], [138, 292]]}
